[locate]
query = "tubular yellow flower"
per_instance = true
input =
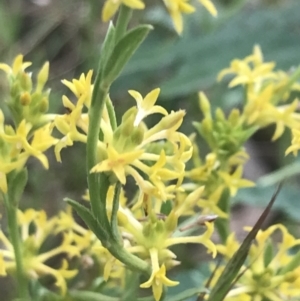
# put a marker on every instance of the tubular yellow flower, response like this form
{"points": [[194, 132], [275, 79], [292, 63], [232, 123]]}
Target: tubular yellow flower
{"points": [[110, 7], [146, 106], [210, 205], [158, 277], [81, 86], [42, 141], [234, 181], [250, 71], [18, 66], [117, 162], [178, 7]]}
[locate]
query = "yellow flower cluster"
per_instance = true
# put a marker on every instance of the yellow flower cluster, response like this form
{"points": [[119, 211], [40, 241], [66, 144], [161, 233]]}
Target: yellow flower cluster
{"points": [[175, 8], [34, 260], [223, 166], [132, 148], [154, 157], [271, 273], [31, 135], [265, 90]]}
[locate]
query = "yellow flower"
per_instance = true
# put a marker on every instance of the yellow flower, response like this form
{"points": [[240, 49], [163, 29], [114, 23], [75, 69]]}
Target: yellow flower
{"points": [[210, 205], [158, 277], [117, 162], [178, 7], [42, 141], [234, 181], [81, 86], [18, 66], [110, 7], [251, 71], [145, 106]]}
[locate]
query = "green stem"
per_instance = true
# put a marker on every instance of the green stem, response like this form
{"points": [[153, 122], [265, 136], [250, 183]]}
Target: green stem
{"points": [[124, 17], [128, 259], [16, 242], [222, 224], [95, 180]]}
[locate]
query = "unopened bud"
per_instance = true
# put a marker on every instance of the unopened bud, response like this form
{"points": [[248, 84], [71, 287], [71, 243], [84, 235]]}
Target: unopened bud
{"points": [[234, 117], [171, 222], [42, 77], [44, 105], [25, 81], [220, 115], [137, 136], [171, 120], [25, 98], [204, 105]]}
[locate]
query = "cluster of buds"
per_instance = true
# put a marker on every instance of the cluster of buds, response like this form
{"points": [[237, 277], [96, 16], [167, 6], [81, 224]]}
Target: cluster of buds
{"points": [[31, 134]]}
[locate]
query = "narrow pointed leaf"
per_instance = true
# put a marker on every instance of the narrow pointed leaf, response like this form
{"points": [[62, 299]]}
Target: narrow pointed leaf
{"points": [[122, 52], [224, 283], [87, 217]]}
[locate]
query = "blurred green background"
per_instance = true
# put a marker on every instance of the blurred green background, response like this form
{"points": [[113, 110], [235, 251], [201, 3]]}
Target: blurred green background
{"points": [[69, 33]]}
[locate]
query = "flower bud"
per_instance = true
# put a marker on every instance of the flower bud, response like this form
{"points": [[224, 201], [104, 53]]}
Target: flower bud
{"points": [[25, 81], [204, 105], [25, 99], [171, 222], [172, 120], [234, 117], [44, 105], [137, 136], [220, 115], [42, 77]]}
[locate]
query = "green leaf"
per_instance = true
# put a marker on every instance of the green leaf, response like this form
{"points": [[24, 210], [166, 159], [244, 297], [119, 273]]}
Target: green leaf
{"points": [[16, 186], [224, 283], [222, 224], [107, 46], [122, 52]]}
